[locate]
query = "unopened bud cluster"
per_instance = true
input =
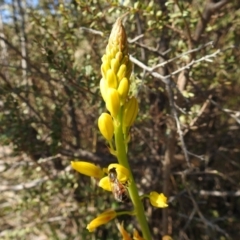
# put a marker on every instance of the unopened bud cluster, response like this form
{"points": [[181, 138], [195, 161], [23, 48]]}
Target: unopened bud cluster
{"points": [[116, 69]]}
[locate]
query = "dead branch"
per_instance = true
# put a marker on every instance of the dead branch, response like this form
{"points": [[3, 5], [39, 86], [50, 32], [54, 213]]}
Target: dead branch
{"points": [[210, 8]]}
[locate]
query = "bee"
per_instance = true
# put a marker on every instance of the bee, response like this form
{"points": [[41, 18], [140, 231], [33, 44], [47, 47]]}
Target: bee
{"points": [[119, 189]]}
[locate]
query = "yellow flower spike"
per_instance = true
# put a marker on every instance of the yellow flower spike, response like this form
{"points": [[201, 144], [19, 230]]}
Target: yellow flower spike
{"points": [[123, 89], [158, 200], [105, 124], [122, 172], [101, 219], [88, 169], [113, 102], [130, 112], [136, 235], [123, 232], [105, 184], [116, 52], [103, 89], [111, 79]]}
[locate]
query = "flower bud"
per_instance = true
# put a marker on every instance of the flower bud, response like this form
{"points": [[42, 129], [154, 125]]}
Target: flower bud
{"points": [[87, 168], [113, 102], [123, 89], [101, 219], [104, 67], [121, 72], [118, 36], [129, 70], [115, 65], [119, 56], [130, 112], [105, 124], [111, 79], [103, 89]]}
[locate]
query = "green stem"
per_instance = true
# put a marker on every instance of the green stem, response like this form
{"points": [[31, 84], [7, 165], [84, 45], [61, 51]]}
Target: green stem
{"points": [[133, 191]]}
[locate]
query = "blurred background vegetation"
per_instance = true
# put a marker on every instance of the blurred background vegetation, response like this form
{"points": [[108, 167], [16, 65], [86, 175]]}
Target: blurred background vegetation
{"points": [[50, 102]]}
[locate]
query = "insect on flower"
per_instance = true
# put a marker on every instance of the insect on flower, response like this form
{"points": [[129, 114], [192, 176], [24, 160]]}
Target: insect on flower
{"points": [[119, 189]]}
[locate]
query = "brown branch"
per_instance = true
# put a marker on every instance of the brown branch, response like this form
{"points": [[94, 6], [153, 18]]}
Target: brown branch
{"points": [[219, 193], [168, 159], [210, 8]]}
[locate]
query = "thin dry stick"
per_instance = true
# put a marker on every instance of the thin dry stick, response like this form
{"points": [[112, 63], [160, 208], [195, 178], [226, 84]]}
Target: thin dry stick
{"points": [[168, 159], [220, 194], [195, 205], [175, 115], [165, 79], [201, 111]]}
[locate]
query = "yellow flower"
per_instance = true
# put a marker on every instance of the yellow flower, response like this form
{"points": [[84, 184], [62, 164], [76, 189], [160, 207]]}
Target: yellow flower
{"points": [[123, 232], [122, 172], [113, 102], [136, 235], [101, 219], [122, 176], [88, 169], [105, 124], [158, 200]]}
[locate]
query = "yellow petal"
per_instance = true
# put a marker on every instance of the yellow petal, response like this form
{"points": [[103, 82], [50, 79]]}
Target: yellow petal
{"points": [[105, 184], [88, 169], [101, 219], [158, 200], [122, 172]]}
